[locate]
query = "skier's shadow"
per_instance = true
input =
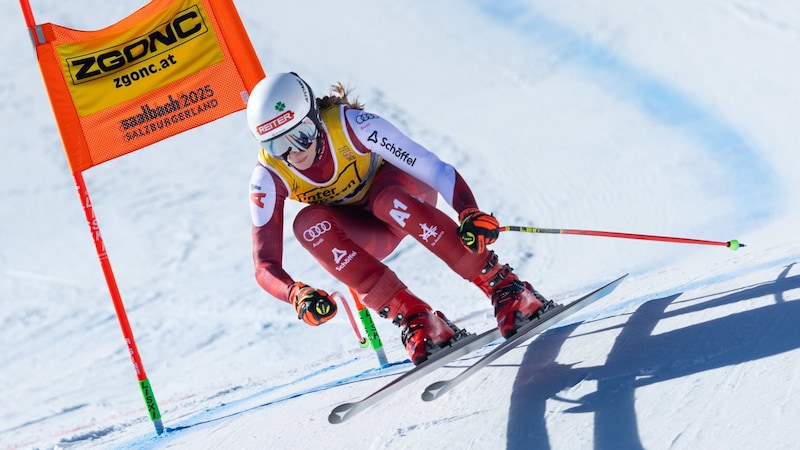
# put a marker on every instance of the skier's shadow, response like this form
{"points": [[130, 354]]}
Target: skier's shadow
{"points": [[639, 359]]}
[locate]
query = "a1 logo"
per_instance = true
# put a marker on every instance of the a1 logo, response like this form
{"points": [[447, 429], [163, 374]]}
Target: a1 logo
{"points": [[398, 213]]}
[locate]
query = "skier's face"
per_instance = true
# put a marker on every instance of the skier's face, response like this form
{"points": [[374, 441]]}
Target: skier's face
{"points": [[299, 138], [302, 159]]}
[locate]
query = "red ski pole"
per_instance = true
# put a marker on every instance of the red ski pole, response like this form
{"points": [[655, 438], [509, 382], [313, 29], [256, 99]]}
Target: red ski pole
{"points": [[733, 244]]}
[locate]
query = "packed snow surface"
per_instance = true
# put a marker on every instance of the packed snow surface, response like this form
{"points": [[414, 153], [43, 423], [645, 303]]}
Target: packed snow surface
{"points": [[671, 118]]}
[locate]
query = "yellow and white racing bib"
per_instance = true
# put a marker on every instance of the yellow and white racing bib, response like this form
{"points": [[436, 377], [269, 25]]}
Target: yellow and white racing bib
{"points": [[352, 175]]}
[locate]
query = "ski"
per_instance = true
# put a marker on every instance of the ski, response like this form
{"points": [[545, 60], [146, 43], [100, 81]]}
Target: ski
{"points": [[459, 348], [527, 331]]}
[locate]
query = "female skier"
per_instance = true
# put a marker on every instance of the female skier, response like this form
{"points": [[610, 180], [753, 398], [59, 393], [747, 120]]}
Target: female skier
{"points": [[367, 186]]}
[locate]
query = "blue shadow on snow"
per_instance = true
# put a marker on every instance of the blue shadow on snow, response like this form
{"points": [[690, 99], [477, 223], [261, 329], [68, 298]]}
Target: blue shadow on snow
{"points": [[639, 359]]}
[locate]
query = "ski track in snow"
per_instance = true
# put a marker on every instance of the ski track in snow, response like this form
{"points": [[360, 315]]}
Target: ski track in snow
{"points": [[743, 164]]}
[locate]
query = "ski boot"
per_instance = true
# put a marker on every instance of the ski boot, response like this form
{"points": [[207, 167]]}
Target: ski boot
{"points": [[515, 301], [424, 331]]}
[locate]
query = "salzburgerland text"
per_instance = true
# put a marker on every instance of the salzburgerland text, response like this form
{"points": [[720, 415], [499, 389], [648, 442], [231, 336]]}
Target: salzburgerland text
{"points": [[161, 116]]}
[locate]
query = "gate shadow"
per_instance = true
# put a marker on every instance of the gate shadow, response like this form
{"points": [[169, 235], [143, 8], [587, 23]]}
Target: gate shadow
{"points": [[638, 359]]}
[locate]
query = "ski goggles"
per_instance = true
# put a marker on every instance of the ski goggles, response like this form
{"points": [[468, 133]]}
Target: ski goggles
{"points": [[297, 139]]}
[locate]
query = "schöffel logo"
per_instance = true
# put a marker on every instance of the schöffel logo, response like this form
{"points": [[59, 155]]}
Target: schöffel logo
{"points": [[342, 258], [186, 25], [338, 255], [316, 231], [271, 124]]}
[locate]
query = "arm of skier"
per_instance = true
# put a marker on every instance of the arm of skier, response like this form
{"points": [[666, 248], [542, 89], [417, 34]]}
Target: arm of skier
{"points": [[476, 228], [267, 197], [370, 132]]}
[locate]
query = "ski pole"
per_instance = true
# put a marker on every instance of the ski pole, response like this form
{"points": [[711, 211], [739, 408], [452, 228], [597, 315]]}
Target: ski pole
{"points": [[372, 338], [372, 332], [362, 341], [733, 244]]}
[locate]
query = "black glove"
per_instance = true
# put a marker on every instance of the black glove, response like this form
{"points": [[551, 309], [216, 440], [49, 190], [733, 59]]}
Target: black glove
{"points": [[477, 229], [313, 306]]}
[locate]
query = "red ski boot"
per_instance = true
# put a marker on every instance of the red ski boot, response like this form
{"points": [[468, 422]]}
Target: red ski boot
{"points": [[424, 331], [514, 300]]}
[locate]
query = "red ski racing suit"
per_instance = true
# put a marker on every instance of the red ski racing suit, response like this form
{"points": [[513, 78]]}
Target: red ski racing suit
{"points": [[369, 188]]}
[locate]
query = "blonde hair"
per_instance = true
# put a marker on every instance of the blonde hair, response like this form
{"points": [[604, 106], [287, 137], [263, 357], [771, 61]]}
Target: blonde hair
{"points": [[339, 96]]}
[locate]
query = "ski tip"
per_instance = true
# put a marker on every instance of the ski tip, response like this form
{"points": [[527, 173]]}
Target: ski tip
{"points": [[433, 391], [618, 280], [340, 413], [605, 290]]}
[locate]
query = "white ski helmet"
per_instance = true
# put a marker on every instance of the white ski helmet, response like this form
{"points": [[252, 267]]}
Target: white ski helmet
{"points": [[278, 104]]}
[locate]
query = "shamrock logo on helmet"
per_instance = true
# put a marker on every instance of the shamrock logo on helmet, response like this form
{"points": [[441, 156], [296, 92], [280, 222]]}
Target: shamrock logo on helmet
{"points": [[280, 106]]}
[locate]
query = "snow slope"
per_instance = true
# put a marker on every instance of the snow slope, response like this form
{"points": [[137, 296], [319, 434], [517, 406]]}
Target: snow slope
{"points": [[673, 118]]}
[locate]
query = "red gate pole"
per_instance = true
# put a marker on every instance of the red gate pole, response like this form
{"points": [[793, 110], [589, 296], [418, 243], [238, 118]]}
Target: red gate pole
{"points": [[119, 307]]}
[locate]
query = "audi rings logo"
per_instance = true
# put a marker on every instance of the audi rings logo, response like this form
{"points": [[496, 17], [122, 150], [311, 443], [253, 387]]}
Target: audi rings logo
{"points": [[365, 117], [316, 231]]}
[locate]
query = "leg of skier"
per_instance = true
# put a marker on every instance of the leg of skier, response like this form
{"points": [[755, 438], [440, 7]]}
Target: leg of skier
{"points": [[410, 206], [349, 243]]}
